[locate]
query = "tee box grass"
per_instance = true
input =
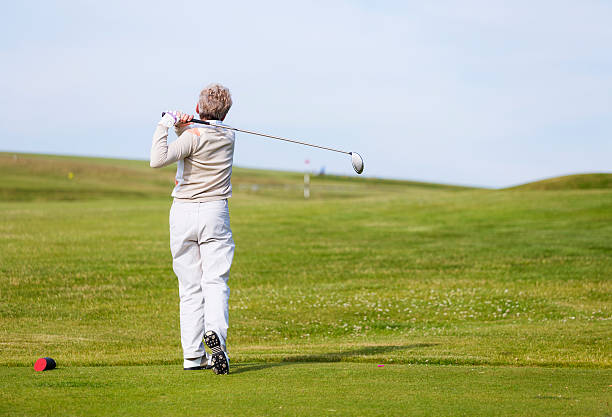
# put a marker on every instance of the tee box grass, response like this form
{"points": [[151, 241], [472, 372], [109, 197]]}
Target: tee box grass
{"points": [[477, 302]]}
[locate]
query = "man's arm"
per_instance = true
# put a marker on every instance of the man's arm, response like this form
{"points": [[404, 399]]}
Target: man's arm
{"points": [[163, 154]]}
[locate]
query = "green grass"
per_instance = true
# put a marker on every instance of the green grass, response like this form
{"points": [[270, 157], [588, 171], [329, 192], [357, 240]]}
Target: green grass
{"points": [[283, 389], [514, 283]]}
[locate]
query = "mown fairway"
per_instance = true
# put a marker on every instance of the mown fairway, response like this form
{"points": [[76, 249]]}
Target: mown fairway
{"points": [[478, 302]]}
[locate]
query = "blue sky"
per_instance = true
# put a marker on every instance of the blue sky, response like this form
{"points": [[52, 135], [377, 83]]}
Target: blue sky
{"points": [[484, 93]]}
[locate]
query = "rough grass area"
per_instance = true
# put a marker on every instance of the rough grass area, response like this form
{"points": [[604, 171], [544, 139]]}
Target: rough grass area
{"points": [[367, 272]]}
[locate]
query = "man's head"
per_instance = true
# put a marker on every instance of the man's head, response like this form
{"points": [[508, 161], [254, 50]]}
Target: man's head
{"points": [[214, 103]]}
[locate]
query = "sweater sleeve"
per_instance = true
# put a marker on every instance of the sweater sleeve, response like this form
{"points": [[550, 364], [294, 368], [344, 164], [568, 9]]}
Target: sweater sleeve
{"points": [[181, 128], [163, 154]]}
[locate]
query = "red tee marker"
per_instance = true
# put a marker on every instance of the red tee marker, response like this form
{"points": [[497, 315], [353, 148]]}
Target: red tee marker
{"points": [[44, 364]]}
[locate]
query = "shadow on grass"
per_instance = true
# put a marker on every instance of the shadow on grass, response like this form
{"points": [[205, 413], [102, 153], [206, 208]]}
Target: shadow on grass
{"points": [[328, 356]]}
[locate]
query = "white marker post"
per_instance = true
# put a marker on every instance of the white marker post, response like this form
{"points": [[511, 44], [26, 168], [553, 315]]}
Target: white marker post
{"points": [[306, 181]]}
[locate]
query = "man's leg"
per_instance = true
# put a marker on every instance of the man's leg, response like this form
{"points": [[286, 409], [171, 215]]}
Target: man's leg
{"points": [[188, 269], [217, 253]]}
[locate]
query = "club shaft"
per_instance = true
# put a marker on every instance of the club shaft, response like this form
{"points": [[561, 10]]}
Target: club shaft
{"points": [[204, 122], [281, 138]]}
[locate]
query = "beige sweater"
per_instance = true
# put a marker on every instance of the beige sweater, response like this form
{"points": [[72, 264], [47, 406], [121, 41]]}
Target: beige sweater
{"points": [[204, 157]]}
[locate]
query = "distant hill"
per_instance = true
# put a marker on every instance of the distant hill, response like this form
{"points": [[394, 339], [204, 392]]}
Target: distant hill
{"points": [[26, 177], [569, 182]]}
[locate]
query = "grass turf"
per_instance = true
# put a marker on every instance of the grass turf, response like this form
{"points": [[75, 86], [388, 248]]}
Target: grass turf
{"points": [[366, 271], [343, 389]]}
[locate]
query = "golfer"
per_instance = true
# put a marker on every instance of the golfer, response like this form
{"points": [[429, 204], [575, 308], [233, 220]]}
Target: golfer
{"points": [[200, 236]]}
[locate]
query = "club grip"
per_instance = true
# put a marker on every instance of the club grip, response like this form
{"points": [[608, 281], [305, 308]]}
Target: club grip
{"points": [[202, 122]]}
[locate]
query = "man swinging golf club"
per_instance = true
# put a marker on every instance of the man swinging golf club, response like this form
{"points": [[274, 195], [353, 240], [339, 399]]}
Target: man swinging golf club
{"points": [[200, 236]]}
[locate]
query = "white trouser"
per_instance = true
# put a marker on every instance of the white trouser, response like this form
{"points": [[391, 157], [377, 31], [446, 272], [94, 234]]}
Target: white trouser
{"points": [[202, 252]]}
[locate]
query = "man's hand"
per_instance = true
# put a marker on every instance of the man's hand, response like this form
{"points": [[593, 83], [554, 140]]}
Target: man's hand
{"points": [[174, 118], [184, 118], [169, 119]]}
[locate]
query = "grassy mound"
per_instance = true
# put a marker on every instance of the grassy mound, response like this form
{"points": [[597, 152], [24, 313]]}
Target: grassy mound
{"points": [[570, 182]]}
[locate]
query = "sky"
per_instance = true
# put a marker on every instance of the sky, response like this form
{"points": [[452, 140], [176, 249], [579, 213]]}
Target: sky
{"points": [[475, 92]]}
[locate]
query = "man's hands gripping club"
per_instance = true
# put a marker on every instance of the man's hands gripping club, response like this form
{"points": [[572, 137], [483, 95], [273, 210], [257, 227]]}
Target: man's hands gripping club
{"points": [[175, 118]]}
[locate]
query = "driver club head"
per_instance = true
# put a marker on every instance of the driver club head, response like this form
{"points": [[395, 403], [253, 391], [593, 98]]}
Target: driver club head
{"points": [[357, 162]]}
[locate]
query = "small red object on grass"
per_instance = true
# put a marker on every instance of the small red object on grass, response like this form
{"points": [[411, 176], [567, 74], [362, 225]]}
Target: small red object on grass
{"points": [[44, 364], [380, 366]]}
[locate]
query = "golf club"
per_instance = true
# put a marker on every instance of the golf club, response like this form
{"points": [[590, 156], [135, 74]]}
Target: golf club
{"points": [[356, 159]]}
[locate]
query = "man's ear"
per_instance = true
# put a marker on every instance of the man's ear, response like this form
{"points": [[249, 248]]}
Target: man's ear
{"points": [[198, 108]]}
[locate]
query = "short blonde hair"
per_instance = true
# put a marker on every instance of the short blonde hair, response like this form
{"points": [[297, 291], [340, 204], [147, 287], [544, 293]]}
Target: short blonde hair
{"points": [[214, 102]]}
